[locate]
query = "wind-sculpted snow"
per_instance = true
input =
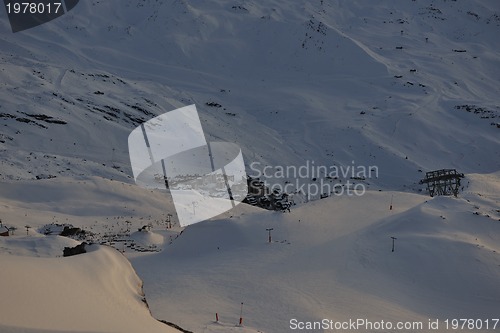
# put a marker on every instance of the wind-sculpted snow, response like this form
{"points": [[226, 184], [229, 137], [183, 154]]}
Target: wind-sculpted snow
{"points": [[93, 292]]}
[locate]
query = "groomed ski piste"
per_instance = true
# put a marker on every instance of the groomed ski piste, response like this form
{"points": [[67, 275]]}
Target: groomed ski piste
{"points": [[406, 87], [329, 258]]}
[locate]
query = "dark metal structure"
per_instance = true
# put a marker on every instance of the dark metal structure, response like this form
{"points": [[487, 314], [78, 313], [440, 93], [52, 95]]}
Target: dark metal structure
{"points": [[442, 182], [270, 229], [393, 239]]}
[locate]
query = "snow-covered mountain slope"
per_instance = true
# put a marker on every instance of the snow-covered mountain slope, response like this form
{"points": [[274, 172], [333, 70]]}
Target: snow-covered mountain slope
{"points": [[331, 259], [406, 86], [386, 84], [93, 292], [328, 258]]}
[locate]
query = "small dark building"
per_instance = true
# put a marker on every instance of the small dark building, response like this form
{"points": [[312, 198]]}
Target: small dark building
{"points": [[73, 251]]}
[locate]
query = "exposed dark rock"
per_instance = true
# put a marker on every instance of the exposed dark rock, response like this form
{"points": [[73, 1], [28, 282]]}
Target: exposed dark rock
{"points": [[68, 231], [213, 104]]}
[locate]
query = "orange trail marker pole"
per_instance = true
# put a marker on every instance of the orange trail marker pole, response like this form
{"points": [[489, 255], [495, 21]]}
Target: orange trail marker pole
{"points": [[241, 314]]}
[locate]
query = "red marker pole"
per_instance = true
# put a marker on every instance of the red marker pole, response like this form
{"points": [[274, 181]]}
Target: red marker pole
{"points": [[241, 314], [216, 317]]}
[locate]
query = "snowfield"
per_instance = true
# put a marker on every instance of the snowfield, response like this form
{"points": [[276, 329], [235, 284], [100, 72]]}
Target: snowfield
{"points": [[95, 292], [332, 259], [400, 87]]}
